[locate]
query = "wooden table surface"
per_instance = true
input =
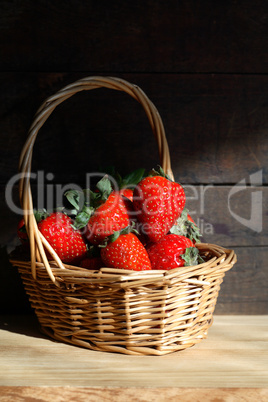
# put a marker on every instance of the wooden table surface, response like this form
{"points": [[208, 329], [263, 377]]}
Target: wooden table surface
{"points": [[231, 364]]}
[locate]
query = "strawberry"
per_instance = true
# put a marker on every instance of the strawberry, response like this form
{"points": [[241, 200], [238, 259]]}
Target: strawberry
{"points": [[66, 241], [103, 212], [173, 251], [108, 218], [125, 251], [186, 226], [21, 229], [189, 218], [158, 203], [21, 232], [94, 263], [127, 192]]}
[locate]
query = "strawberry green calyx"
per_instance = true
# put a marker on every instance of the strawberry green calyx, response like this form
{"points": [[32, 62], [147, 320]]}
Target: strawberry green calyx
{"points": [[159, 171], [192, 257], [104, 187], [82, 212], [40, 214], [128, 181], [83, 217], [186, 227], [113, 237], [85, 202], [126, 184], [89, 197], [132, 179]]}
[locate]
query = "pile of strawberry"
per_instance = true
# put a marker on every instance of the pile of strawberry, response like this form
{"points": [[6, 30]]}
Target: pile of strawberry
{"points": [[139, 228]]}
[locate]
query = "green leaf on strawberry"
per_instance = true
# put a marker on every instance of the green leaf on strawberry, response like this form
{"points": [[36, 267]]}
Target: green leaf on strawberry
{"points": [[83, 217], [185, 226], [40, 214], [191, 257], [114, 236], [127, 183], [159, 171], [88, 197], [104, 187], [74, 196], [85, 202], [132, 179]]}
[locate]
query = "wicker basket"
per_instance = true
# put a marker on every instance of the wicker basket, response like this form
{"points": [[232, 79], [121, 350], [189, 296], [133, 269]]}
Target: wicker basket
{"points": [[137, 313]]}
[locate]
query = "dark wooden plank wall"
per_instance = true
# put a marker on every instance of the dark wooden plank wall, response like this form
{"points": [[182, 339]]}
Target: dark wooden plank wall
{"points": [[203, 64]]}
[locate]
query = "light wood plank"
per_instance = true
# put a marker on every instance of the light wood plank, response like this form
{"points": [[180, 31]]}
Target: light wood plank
{"points": [[93, 394], [235, 355]]}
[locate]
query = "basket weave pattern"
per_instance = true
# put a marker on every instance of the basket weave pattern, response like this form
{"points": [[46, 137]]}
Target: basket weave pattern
{"points": [[139, 313]]}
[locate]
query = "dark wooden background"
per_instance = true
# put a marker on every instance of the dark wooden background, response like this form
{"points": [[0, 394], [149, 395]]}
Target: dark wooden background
{"points": [[203, 64]]}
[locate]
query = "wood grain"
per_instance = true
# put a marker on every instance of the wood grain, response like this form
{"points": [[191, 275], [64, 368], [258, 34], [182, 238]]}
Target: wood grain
{"points": [[112, 394], [216, 126], [139, 36], [233, 356], [244, 289]]}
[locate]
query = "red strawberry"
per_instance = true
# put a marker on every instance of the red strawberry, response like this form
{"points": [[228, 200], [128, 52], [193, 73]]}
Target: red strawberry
{"points": [[21, 229], [65, 240], [185, 226], [127, 192], [158, 203], [21, 232], [108, 218], [126, 252], [172, 251], [103, 212], [94, 263], [190, 219]]}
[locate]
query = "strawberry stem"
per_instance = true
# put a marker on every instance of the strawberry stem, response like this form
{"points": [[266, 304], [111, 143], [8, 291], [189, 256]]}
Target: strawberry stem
{"points": [[192, 257], [105, 188], [87, 201], [159, 171], [124, 231], [185, 227], [40, 214]]}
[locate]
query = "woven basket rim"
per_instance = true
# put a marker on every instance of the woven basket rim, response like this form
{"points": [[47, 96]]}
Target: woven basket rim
{"points": [[222, 260]]}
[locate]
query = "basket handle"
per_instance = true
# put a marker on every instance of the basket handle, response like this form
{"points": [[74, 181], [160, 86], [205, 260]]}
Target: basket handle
{"points": [[37, 241]]}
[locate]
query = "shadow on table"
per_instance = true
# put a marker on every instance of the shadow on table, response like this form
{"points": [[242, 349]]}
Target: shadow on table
{"points": [[25, 324]]}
